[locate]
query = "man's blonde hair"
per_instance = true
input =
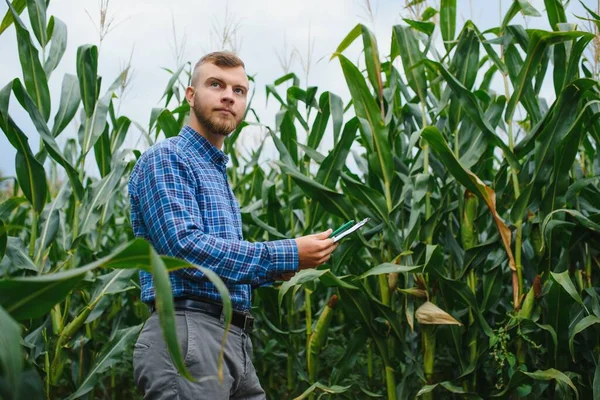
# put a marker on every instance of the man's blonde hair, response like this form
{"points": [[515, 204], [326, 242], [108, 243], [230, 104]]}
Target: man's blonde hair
{"points": [[223, 59]]}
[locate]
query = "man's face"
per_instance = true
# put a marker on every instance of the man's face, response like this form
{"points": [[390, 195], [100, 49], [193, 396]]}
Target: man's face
{"points": [[219, 100]]}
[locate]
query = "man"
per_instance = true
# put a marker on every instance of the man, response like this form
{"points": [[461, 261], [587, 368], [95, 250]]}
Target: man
{"points": [[182, 203]]}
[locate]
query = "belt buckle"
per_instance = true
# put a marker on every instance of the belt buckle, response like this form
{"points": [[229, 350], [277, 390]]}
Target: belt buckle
{"points": [[248, 323]]}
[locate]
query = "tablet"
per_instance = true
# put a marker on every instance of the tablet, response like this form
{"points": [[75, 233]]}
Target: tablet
{"points": [[350, 230]]}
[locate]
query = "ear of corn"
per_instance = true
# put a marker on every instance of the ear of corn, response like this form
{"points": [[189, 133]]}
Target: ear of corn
{"points": [[319, 337]]}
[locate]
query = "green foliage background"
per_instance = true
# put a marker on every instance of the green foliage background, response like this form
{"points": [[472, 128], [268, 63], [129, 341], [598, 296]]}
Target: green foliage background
{"points": [[476, 278]]}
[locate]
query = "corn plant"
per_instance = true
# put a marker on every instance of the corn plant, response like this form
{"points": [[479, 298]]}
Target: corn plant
{"points": [[464, 284], [475, 278], [68, 285]]}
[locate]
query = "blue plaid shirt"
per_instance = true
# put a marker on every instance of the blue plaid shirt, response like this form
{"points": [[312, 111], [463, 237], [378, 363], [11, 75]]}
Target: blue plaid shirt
{"points": [[182, 203]]}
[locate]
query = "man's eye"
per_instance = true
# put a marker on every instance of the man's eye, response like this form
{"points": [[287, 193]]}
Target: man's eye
{"points": [[215, 84], [239, 91]]}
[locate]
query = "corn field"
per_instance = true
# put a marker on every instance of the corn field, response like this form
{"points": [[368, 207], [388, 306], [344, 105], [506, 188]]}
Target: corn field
{"points": [[477, 276]]}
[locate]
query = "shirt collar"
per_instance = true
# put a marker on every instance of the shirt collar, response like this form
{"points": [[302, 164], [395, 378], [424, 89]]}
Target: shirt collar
{"points": [[204, 147]]}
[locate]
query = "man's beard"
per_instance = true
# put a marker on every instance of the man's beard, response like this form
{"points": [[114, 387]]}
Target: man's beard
{"points": [[214, 125]]}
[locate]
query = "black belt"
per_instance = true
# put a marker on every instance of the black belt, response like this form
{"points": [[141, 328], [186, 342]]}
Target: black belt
{"points": [[241, 320]]}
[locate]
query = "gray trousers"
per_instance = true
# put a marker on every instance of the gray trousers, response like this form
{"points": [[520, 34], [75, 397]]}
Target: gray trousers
{"points": [[199, 338]]}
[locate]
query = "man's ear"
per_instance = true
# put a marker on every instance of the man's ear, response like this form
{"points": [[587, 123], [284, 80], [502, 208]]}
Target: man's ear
{"points": [[189, 95]]}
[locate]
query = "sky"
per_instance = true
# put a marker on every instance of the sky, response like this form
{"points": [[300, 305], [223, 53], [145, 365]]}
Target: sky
{"points": [[149, 31]]}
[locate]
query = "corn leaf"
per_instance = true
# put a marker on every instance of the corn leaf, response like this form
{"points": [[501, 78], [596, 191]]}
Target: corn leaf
{"points": [[387, 268], [450, 387], [425, 27], [367, 111], [19, 6], [46, 136], [166, 310], [562, 121], [37, 17], [564, 280], [288, 134], [58, 45], [564, 156], [167, 123], [102, 153], [473, 111], [448, 22], [434, 265], [95, 124], [366, 195], [34, 76], [168, 93], [523, 377], [596, 382], [98, 195], [494, 57], [585, 323], [471, 182], [332, 166], [464, 65], [371, 56], [358, 306], [330, 105], [70, 98], [513, 10], [514, 64], [87, 72], [528, 9], [310, 275], [334, 202], [119, 133], [11, 359], [3, 239], [30, 172], [539, 41], [405, 45], [334, 389], [556, 13], [50, 223], [108, 357]]}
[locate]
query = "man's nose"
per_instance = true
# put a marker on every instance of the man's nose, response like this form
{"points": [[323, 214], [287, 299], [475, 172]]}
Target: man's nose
{"points": [[227, 96]]}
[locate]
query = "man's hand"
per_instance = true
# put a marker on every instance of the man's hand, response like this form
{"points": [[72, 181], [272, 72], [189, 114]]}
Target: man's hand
{"points": [[314, 250]]}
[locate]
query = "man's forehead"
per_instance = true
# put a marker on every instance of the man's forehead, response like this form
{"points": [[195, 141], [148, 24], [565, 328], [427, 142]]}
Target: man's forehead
{"points": [[234, 75]]}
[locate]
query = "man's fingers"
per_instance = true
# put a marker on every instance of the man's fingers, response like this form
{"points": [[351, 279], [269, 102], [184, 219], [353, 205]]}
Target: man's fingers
{"points": [[323, 260], [329, 247], [326, 244], [327, 251], [324, 235]]}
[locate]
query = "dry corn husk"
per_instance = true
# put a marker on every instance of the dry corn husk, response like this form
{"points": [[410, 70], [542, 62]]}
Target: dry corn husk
{"points": [[430, 314]]}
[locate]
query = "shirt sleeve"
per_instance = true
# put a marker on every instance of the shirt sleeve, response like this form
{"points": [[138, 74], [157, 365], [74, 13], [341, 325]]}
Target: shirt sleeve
{"points": [[166, 193]]}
